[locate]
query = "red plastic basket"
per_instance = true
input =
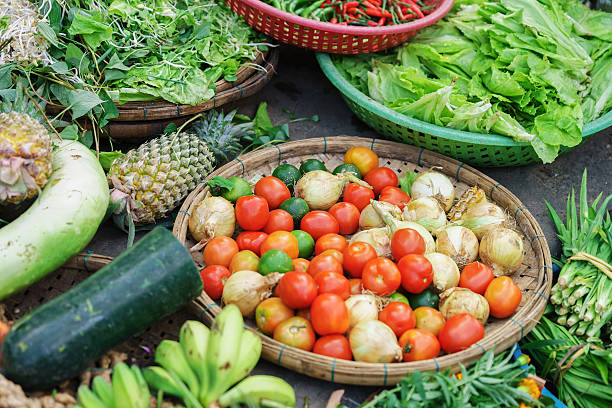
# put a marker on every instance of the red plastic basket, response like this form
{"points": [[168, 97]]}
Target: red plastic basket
{"points": [[328, 37]]}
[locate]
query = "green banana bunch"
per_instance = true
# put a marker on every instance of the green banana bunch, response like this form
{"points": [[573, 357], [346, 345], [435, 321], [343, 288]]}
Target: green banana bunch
{"points": [[128, 390], [204, 364]]}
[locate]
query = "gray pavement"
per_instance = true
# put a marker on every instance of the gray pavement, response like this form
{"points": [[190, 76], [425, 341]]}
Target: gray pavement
{"points": [[301, 88]]}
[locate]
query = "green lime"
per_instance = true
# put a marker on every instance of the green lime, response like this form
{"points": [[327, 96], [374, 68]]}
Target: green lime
{"points": [[240, 188], [305, 243], [288, 174], [398, 297], [426, 298], [297, 207], [311, 165], [348, 168], [274, 260]]}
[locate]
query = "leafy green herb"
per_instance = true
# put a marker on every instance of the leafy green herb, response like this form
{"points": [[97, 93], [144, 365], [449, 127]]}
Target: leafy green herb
{"points": [[406, 181]]}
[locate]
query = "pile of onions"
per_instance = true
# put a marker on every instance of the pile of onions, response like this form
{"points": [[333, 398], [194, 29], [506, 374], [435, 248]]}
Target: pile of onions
{"points": [[436, 185], [246, 289], [427, 212], [445, 271], [373, 341], [321, 189], [456, 301], [378, 238], [369, 217], [213, 217], [482, 218], [502, 250], [361, 308], [459, 243]]}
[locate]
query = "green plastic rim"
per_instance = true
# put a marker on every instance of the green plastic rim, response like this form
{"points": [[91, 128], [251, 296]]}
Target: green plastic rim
{"points": [[487, 150]]}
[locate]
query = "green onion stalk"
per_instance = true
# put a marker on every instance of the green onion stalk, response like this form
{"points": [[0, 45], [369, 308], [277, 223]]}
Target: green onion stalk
{"points": [[579, 370], [582, 296]]}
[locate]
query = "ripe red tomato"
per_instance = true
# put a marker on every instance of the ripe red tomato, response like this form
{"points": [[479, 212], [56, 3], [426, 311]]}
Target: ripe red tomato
{"points": [[213, 279], [270, 313], [417, 273], [251, 240], [333, 345], [329, 314], [362, 157], [356, 256], [358, 195], [283, 240], [300, 264], [503, 296], [220, 251], [406, 241], [335, 253], [460, 332], [347, 215], [430, 319], [297, 289], [273, 190], [356, 286], [476, 277], [279, 220], [319, 223], [381, 276], [332, 282], [324, 263], [295, 332], [252, 212], [394, 196], [330, 241], [380, 178], [398, 316], [418, 345]]}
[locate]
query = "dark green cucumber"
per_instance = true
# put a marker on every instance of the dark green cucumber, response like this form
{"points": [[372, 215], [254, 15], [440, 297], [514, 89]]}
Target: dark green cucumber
{"points": [[58, 340]]}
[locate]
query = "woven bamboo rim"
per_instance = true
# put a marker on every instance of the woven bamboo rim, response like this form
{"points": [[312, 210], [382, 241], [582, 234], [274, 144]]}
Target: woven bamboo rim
{"points": [[534, 277]]}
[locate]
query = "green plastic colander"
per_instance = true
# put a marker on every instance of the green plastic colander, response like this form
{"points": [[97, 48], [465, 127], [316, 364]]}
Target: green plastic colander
{"points": [[487, 150]]}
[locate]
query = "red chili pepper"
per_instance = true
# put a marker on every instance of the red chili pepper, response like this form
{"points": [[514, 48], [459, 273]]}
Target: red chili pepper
{"points": [[371, 23], [334, 20], [377, 13], [352, 10], [370, 5], [376, 2], [351, 4], [417, 11], [381, 22]]}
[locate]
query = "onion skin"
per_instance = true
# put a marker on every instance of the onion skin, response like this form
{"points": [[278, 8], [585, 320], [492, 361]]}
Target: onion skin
{"points": [[361, 307], [369, 217], [459, 243], [482, 218], [213, 217], [502, 250], [321, 189], [377, 237], [372, 341], [436, 185], [445, 271], [427, 212], [246, 289], [456, 301]]}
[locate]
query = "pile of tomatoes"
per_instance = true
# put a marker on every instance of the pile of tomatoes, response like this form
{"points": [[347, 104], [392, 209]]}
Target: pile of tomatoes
{"points": [[321, 270]]}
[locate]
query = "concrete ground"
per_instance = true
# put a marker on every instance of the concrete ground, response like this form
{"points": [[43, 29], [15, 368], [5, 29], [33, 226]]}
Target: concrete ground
{"points": [[301, 88]]}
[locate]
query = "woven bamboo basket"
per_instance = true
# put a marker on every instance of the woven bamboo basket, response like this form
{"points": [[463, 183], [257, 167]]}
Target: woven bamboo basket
{"points": [[141, 120], [533, 277]]}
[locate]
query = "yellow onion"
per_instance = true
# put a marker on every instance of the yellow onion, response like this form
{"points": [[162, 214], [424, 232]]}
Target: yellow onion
{"points": [[360, 308], [427, 212], [378, 238], [321, 189], [445, 271], [373, 341], [456, 301], [459, 243], [436, 185], [369, 217], [502, 250], [482, 218], [394, 224], [246, 289], [212, 217]]}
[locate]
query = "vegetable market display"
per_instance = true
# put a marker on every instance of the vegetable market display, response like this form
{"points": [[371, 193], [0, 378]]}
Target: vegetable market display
{"points": [[309, 303], [478, 70], [367, 13]]}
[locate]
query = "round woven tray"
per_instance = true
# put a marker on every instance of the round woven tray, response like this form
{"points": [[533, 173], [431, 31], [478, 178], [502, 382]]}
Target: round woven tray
{"points": [[142, 120], [533, 277], [478, 149]]}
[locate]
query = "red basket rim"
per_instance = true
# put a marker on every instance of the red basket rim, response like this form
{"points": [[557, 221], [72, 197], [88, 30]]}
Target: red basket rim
{"points": [[441, 10]]}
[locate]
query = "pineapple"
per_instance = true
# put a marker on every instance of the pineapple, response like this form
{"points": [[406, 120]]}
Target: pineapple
{"points": [[151, 180], [25, 157]]}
